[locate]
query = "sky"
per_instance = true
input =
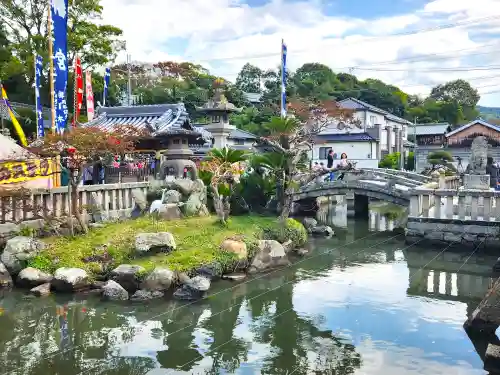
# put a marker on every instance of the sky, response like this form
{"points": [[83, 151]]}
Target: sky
{"points": [[413, 44]]}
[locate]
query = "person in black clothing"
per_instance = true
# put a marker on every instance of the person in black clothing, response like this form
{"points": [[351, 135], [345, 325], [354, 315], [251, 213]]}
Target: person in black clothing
{"points": [[329, 163], [492, 170]]}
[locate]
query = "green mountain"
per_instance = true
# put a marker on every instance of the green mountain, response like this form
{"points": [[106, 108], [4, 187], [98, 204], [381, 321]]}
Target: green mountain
{"points": [[488, 112]]}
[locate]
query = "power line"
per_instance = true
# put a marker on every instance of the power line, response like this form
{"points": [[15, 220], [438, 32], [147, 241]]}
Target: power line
{"points": [[367, 39], [430, 70]]}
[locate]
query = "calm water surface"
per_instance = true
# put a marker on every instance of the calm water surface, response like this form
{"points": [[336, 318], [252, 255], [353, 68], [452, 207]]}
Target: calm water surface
{"points": [[361, 303]]}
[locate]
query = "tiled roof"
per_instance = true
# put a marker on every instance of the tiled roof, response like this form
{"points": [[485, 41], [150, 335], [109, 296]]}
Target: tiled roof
{"points": [[252, 97], [344, 137], [479, 121], [241, 134], [430, 128], [363, 105], [159, 119]]}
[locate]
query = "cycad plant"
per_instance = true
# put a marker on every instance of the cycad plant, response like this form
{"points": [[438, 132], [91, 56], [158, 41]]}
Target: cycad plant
{"points": [[222, 169]]}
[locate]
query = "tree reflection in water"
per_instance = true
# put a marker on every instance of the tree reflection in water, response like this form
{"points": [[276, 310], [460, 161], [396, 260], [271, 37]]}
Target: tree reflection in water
{"points": [[42, 337]]}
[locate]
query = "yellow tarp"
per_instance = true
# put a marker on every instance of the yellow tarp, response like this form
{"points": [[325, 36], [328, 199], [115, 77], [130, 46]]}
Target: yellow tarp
{"points": [[14, 172]]}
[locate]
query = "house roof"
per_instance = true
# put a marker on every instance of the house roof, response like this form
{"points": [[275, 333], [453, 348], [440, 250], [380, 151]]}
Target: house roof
{"points": [[359, 104], [160, 119], [479, 121], [252, 97], [431, 128], [355, 137], [241, 134]]}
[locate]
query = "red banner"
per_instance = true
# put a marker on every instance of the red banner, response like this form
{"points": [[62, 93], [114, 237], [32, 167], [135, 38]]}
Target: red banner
{"points": [[78, 90], [90, 95]]}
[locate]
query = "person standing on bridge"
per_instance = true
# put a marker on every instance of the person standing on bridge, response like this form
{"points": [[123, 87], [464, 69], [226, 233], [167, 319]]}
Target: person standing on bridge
{"points": [[329, 163], [343, 164]]}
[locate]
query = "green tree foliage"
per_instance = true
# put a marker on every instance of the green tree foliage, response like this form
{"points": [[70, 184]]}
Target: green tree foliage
{"points": [[249, 79], [439, 158], [390, 161], [410, 161]]}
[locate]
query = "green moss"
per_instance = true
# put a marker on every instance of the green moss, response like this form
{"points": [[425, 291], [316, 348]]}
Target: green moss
{"points": [[198, 241], [292, 230]]}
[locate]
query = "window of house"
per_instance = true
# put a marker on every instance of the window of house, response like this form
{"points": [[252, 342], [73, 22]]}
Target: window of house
{"points": [[215, 119], [176, 141], [323, 152], [239, 141], [373, 120]]}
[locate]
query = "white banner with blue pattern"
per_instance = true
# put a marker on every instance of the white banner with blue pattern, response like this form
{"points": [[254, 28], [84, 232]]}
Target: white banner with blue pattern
{"points": [[40, 131]]}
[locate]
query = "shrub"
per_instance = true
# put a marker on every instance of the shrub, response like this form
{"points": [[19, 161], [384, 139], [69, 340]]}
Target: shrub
{"points": [[292, 230]]}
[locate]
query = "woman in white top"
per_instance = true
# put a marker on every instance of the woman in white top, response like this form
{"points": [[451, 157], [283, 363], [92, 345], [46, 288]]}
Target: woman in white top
{"points": [[343, 164]]}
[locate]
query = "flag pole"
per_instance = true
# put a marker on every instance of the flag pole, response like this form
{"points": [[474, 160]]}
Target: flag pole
{"points": [[36, 98], [282, 74], [51, 70], [75, 93]]}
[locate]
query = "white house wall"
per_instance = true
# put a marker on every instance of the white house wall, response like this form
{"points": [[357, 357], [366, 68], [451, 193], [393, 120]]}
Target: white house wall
{"points": [[361, 152]]}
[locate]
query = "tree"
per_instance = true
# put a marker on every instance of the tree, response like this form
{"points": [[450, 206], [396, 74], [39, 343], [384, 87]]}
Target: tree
{"points": [[224, 169], [249, 79], [292, 137], [459, 90], [80, 148], [390, 161], [26, 21]]}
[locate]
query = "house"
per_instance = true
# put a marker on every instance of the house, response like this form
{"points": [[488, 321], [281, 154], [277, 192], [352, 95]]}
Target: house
{"points": [[458, 142], [254, 98], [375, 133], [428, 138]]}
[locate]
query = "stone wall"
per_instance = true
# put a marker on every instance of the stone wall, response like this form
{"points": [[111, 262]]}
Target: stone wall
{"points": [[468, 234]]}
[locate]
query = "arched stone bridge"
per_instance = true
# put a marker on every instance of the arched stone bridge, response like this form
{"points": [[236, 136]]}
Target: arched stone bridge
{"points": [[383, 184]]}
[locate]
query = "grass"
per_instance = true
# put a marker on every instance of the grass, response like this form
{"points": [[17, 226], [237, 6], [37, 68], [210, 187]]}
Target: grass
{"points": [[198, 240]]}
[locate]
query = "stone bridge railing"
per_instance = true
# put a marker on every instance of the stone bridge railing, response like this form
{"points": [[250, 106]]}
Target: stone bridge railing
{"points": [[358, 187], [111, 200]]}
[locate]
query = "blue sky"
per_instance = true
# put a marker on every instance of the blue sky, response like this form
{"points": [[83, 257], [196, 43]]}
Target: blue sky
{"points": [[225, 34]]}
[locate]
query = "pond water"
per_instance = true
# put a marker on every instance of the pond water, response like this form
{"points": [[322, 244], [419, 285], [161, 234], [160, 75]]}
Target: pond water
{"points": [[362, 302]]}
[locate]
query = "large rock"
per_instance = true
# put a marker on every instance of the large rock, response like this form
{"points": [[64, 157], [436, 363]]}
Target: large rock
{"points": [[32, 277], [194, 289], [171, 196], [161, 241], [41, 290], [5, 278], [70, 279], [18, 251], [114, 292], [322, 230], [194, 205], [239, 248], [160, 279], [309, 222], [183, 185], [169, 211], [271, 254], [128, 276], [140, 198], [146, 295]]}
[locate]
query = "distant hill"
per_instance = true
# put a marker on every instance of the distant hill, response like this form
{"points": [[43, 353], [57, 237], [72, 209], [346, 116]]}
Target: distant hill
{"points": [[488, 112]]}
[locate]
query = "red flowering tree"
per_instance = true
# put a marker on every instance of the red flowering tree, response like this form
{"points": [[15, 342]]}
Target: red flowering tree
{"points": [[81, 147]]}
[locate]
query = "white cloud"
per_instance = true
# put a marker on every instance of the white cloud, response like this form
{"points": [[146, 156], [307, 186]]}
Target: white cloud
{"points": [[224, 34]]}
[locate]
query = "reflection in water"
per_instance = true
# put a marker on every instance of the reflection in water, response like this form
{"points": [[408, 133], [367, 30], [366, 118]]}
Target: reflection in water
{"points": [[364, 308]]}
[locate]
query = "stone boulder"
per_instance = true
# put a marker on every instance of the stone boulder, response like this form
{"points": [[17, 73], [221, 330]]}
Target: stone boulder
{"points": [[211, 271], [194, 289], [18, 251], [169, 211], [322, 230], [193, 206], [70, 279], [113, 291], [161, 241], [128, 276], [271, 254], [5, 278], [41, 290], [32, 277], [159, 280], [171, 196], [146, 295], [183, 185], [309, 222], [239, 248]]}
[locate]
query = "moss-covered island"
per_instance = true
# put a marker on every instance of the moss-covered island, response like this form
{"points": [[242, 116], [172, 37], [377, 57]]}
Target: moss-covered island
{"points": [[198, 241]]}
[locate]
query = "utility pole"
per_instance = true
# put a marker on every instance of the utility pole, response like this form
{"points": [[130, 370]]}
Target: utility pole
{"points": [[129, 84], [415, 142], [401, 150]]}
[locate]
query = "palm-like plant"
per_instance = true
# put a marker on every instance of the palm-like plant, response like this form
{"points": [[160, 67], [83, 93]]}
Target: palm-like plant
{"points": [[223, 169]]}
